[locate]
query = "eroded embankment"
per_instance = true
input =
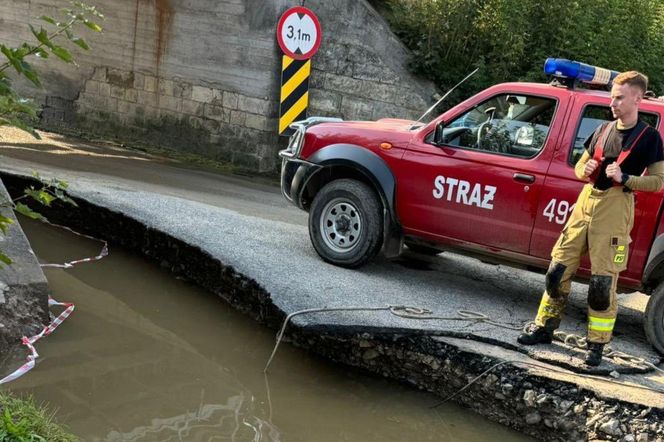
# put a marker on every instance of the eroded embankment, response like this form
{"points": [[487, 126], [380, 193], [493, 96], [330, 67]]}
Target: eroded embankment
{"points": [[541, 407]]}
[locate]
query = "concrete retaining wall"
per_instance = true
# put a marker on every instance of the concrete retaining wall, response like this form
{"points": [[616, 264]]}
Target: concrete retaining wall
{"points": [[203, 75], [23, 287]]}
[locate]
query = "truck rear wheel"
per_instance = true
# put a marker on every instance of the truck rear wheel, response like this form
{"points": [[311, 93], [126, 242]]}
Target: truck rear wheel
{"points": [[654, 319], [346, 223]]}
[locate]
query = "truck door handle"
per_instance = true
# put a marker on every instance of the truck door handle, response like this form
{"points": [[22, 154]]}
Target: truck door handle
{"points": [[524, 177]]}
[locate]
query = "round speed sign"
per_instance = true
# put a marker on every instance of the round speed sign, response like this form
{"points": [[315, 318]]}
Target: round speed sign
{"points": [[299, 33]]}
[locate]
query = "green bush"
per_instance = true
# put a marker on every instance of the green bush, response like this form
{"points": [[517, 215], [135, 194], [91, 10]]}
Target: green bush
{"points": [[21, 112], [510, 39], [21, 420], [16, 110]]}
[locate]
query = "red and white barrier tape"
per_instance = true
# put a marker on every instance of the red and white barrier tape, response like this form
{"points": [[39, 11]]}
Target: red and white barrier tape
{"points": [[29, 342], [69, 308], [70, 264]]}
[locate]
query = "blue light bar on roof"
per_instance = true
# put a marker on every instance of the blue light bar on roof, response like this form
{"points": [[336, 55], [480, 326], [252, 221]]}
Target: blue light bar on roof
{"points": [[561, 67]]}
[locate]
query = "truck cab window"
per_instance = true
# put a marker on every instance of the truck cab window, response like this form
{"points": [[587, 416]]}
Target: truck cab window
{"points": [[593, 116], [507, 124]]}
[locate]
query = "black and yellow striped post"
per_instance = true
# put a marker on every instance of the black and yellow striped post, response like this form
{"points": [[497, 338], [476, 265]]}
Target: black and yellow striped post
{"points": [[294, 92]]}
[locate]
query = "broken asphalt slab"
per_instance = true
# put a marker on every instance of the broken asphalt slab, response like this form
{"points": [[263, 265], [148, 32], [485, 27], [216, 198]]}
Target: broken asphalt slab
{"points": [[248, 227]]}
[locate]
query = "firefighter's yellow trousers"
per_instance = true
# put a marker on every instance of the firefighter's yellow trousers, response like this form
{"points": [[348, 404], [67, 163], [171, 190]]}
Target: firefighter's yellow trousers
{"points": [[600, 225]]}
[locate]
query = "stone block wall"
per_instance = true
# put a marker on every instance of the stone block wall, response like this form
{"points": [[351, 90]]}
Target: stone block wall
{"points": [[219, 124], [203, 76], [349, 80]]}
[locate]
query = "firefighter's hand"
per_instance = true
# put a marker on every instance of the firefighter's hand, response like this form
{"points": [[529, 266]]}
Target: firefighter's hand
{"points": [[613, 171], [590, 167]]}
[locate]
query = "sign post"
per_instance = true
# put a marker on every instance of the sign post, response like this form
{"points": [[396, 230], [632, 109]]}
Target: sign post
{"points": [[299, 36]]}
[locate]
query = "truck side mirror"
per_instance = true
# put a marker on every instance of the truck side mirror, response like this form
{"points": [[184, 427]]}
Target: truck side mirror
{"points": [[438, 134]]}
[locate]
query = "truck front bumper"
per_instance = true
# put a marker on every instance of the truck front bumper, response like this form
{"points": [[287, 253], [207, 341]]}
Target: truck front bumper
{"points": [[295, 174]]}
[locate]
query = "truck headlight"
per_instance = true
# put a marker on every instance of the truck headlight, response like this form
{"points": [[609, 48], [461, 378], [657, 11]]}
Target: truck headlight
{"points": [[296, 140]]}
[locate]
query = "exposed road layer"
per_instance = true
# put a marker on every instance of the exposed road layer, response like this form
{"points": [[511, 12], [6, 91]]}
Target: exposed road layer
{"points": [[253, 236]]}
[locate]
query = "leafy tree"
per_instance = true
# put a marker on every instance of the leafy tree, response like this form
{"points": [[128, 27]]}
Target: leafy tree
{"points": [[45, 194], [510, 39], [16, 110], [20, 112]]}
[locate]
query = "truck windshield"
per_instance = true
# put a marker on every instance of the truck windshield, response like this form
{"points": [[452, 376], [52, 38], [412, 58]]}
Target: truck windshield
{"points": [[509, 124]]}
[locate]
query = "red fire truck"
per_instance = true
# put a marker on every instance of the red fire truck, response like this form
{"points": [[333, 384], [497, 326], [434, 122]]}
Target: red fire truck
{"points": [[492, 177]]}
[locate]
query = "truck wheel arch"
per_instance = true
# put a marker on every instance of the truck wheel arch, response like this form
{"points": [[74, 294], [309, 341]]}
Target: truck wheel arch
{"points": [[354, 158], [352, 161], [653, 272]]}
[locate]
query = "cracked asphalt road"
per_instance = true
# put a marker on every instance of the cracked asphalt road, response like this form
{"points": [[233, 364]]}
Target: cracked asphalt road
{"points": [[247, 224]]}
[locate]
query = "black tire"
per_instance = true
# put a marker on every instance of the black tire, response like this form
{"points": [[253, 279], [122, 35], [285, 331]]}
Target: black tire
{"points": [[346, 223], [653, 322], [422, 250]]}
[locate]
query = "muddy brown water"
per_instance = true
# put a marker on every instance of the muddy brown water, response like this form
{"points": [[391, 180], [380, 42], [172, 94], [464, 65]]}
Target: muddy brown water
{"points": [[147, 357]]}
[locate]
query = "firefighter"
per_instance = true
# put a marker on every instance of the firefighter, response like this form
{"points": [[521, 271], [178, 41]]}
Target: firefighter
{"points": [[615, 157]]}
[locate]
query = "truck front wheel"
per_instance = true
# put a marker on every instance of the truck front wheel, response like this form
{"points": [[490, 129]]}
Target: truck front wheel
{"points": [[346, 223], [654, 319]]}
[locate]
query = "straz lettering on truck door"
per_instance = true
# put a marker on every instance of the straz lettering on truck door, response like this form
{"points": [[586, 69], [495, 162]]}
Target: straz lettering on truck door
{"points": [[460, 192]]}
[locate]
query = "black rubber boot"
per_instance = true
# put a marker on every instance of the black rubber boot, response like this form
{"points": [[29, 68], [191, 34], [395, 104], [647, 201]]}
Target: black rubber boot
{"points": [[538, 335], [594, 355]]}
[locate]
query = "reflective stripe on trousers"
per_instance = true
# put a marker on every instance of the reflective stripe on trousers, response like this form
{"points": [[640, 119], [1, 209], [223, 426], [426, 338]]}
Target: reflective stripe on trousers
{"points": [[600, 324]]}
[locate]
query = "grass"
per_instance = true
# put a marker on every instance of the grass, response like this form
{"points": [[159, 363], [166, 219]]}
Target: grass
{"points": [[21, 420]]}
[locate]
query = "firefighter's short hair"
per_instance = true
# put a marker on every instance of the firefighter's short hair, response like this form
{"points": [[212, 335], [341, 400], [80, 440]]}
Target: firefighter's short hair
{"points": [[633, 78]]}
